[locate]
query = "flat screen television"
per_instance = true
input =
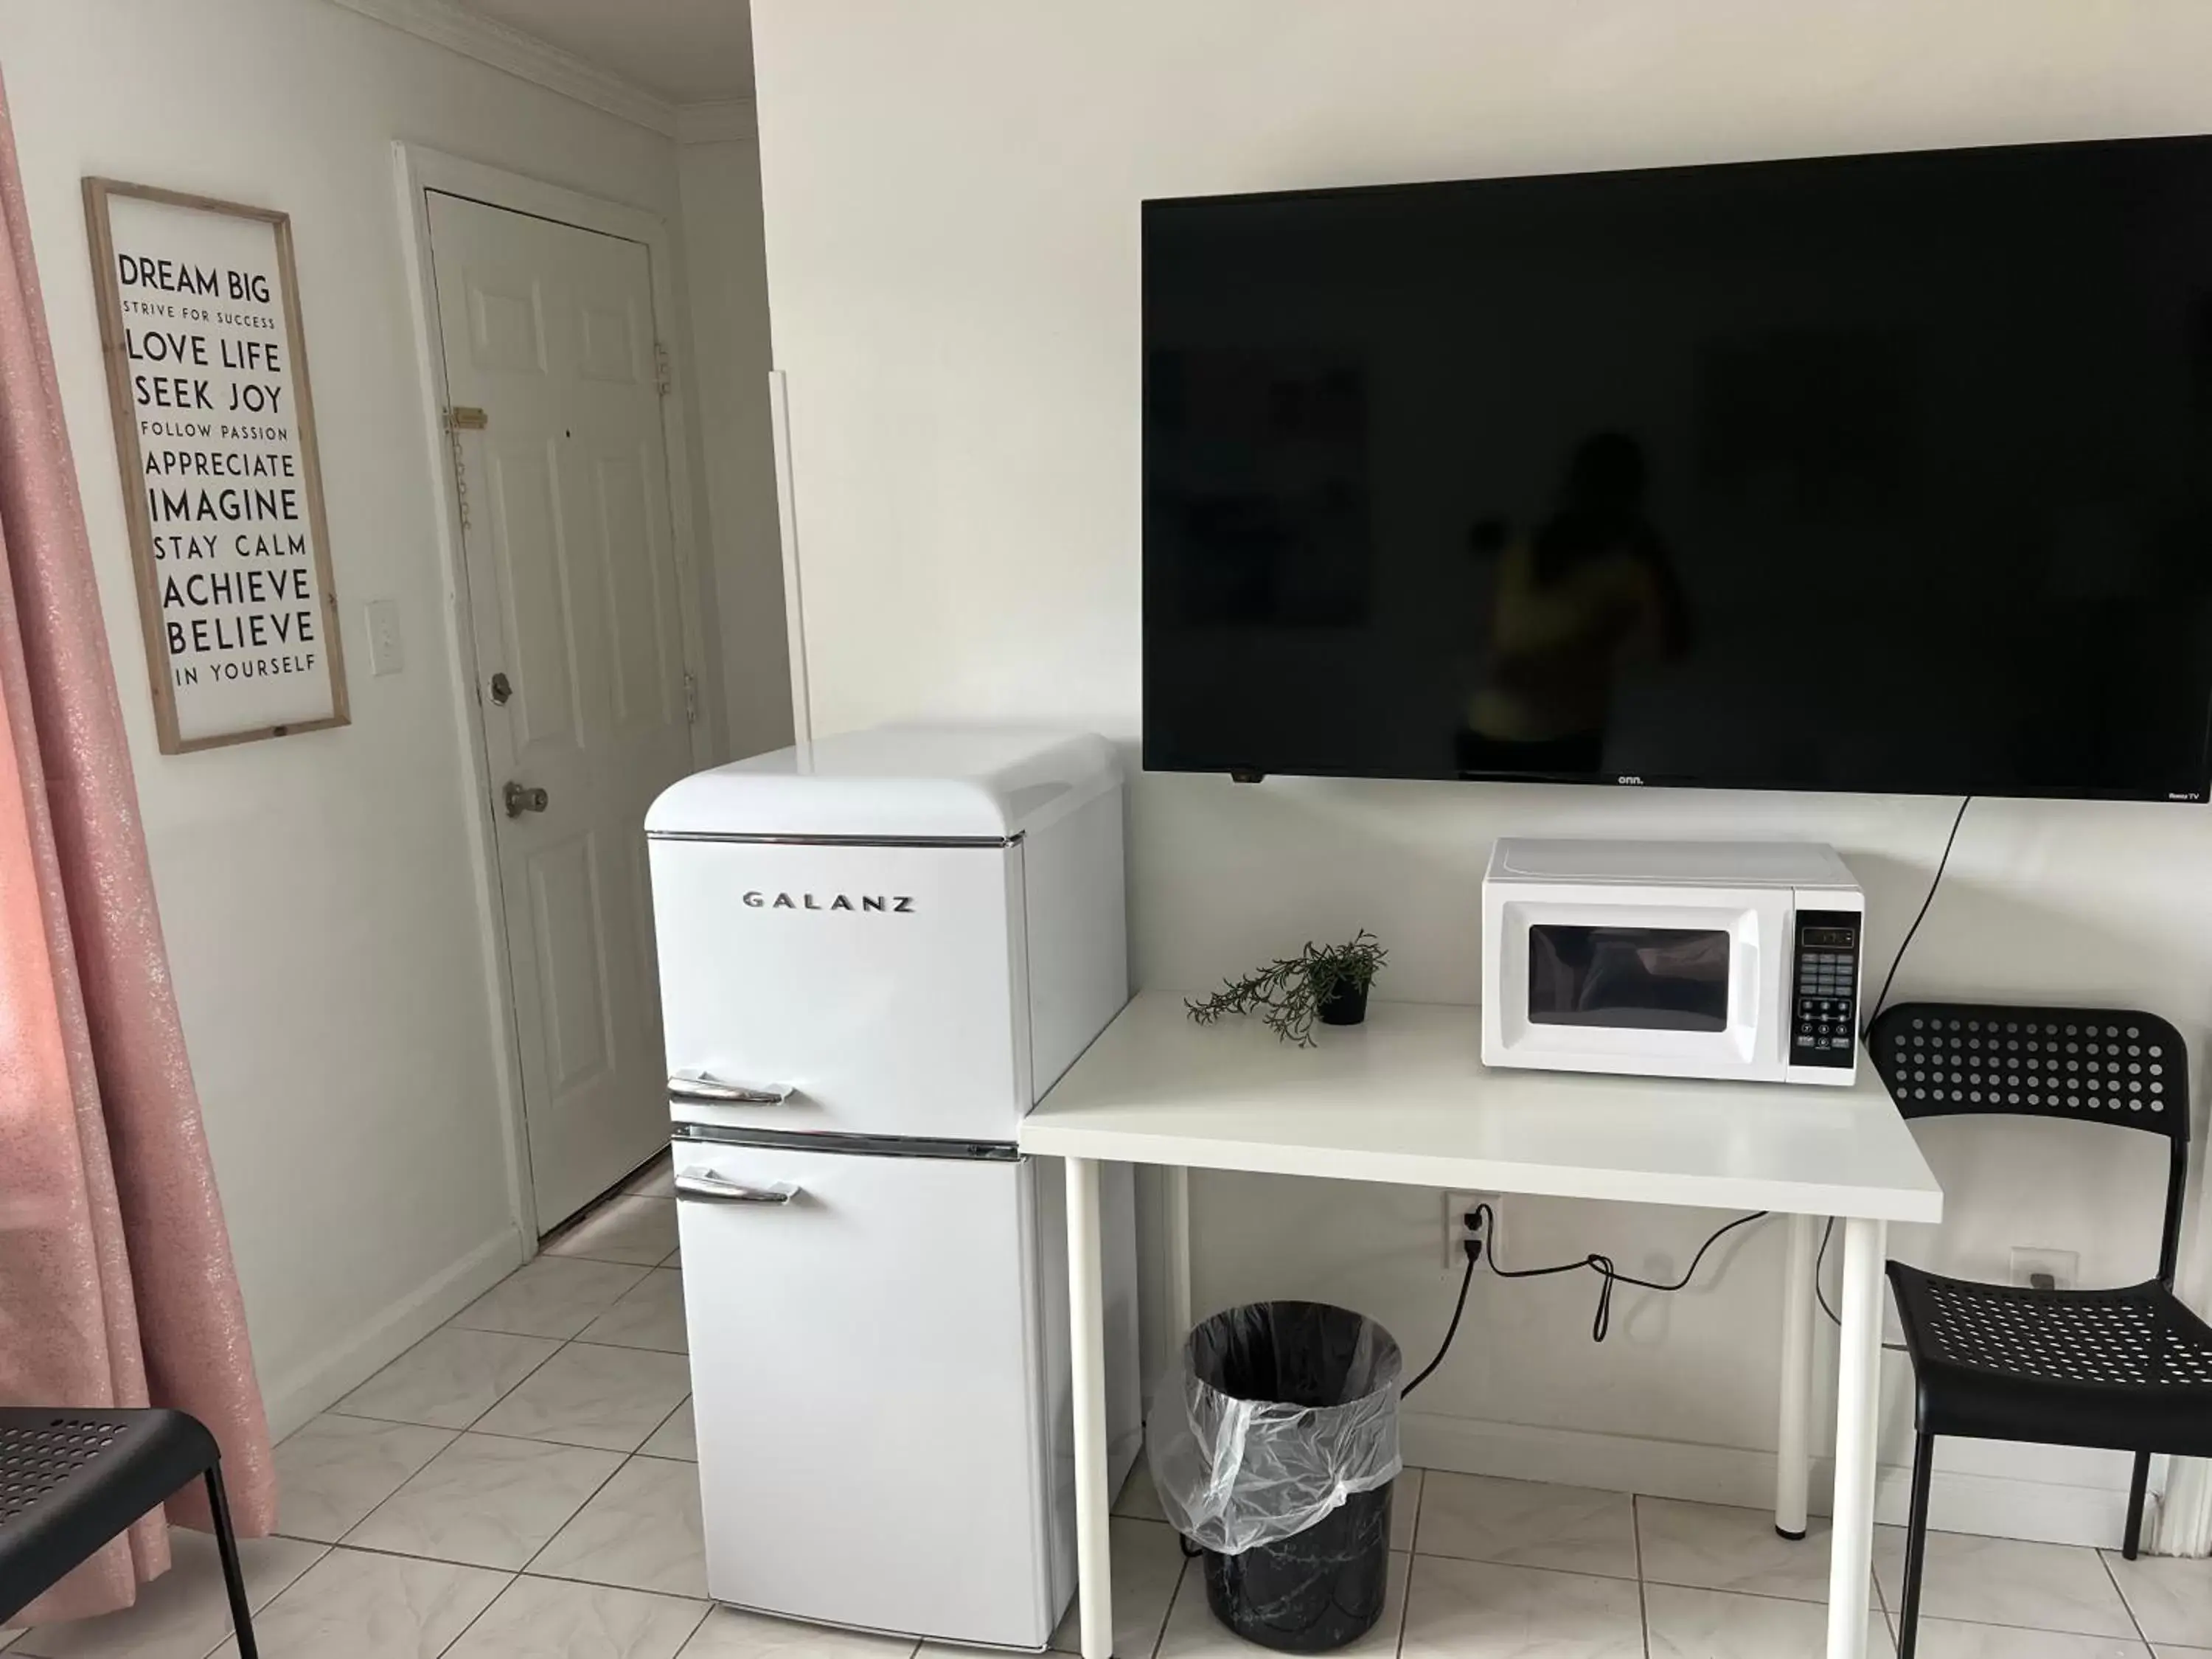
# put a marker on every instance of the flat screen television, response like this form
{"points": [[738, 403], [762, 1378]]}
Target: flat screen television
{"points": [[1887, 473]]}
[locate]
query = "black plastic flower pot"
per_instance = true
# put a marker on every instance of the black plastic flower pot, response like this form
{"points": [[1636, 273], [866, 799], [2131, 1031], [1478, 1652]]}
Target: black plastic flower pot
{"points": [[1345, 1005]]}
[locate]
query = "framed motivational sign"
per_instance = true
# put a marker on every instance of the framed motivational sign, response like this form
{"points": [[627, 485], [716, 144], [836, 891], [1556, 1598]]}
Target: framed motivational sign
{"points": [[207, 376]]}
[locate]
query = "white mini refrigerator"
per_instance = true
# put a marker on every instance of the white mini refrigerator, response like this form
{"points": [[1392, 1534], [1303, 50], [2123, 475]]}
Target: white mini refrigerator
{"points": [[877, 952]]}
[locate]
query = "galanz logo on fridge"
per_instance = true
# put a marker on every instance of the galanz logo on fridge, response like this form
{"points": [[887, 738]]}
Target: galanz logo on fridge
{"points": [[898, 904]]}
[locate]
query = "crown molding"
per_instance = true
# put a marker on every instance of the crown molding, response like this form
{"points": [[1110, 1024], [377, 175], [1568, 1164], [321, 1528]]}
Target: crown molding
{"points": [[715, 121], [447, 24]]}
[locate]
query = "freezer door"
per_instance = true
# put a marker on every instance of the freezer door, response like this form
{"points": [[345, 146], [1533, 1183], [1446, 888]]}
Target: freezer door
{"points": [[858, 990], [866, 1384]]}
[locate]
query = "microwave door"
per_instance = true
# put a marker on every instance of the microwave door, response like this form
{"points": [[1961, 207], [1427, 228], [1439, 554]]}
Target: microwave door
{"points": [[1664, 986], [1655, 979]]}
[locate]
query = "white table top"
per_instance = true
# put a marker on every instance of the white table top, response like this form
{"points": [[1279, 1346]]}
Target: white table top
{"points": [[1406, 1098]]}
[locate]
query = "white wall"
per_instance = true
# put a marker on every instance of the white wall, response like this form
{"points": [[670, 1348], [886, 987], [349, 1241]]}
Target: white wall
{"points": [[720, 182], [317, 889], [951, 205]]}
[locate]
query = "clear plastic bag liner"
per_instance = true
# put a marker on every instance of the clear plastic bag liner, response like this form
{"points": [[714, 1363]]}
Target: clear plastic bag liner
{"points": [[1279, 1412]]}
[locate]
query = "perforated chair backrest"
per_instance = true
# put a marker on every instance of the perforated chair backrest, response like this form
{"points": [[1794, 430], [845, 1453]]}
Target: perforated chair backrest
{"points": [[2115, 1067]]}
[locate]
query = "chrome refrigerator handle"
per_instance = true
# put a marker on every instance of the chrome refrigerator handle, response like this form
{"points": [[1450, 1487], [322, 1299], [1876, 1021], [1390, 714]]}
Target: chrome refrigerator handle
{"points": [[732, 1192], [701, 1089]]}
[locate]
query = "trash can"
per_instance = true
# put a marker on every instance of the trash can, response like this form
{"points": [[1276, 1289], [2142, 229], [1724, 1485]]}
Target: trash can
{"points": [[1274, 1451]]}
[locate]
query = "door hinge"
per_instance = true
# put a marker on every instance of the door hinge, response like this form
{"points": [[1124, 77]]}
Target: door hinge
{"points": [[690, 698], [662, 375]]}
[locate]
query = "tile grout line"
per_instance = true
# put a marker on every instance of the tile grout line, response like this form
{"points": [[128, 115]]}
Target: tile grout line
{"points": [[573, 1515], [705, 1613], [1167, 1613], [327, 1551], [1643, 1600], [2128, 1607], [251, 1610], [461, 1634], [1413, 1555], [658, 1427]]}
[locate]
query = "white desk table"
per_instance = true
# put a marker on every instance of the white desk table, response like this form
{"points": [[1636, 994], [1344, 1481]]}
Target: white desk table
{"points": [[1405, 1098]]}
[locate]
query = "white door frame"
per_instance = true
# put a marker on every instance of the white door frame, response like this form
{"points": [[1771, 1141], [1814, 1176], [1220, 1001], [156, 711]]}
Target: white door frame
{"points": [[419, 169]]}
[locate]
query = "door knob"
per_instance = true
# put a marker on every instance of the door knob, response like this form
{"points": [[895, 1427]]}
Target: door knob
{"points": [[520, 798], [502, 689]]}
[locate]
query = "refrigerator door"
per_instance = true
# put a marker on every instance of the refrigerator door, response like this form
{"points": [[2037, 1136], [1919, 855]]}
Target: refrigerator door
{"points": [[877, 989], [866, 1378]]}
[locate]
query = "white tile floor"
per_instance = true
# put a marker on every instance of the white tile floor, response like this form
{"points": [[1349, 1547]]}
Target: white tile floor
{"points": [[519, 1485]]}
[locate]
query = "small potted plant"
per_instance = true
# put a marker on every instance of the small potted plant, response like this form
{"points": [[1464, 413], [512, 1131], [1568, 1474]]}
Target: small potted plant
{"points": [[1326, 983]]}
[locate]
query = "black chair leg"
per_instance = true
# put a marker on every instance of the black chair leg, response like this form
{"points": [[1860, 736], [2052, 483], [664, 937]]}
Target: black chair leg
{"points": [[2136, 1483], [1916, 1545], [233, 1579]]}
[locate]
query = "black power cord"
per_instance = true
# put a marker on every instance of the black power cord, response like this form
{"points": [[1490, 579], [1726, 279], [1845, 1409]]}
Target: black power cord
{"points": [[1943, 863], [1601, 1323], [1474, 1249], [1898, 961], [1820, 1288], [1482, 1223]]}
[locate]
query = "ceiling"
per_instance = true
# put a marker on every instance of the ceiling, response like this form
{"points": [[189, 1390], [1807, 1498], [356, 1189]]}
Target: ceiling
{"points": [[686, 51]]}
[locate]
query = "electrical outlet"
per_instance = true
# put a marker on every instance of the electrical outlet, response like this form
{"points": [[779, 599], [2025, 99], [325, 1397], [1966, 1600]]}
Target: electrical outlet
{"points": [[2064, 1266], [1457, 1205]]}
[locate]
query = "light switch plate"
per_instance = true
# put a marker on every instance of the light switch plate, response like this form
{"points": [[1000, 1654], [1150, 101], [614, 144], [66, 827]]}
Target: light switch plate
{"points": [[385, 655]]}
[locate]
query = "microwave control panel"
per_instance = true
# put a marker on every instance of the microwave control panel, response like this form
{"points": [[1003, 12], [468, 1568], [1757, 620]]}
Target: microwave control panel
{"points": [[1825, 993]]}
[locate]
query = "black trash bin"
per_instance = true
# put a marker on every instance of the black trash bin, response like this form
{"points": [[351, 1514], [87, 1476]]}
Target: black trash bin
{"points": [[1279, 1466]]}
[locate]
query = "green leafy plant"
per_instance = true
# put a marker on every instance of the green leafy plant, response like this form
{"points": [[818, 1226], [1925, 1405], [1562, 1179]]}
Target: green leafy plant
{"points": [[1289, 993]]}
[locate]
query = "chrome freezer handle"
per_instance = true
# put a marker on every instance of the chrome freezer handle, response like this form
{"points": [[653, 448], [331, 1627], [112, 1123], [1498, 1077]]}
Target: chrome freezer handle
{"points": [[699, 1088], [732, 1192]]}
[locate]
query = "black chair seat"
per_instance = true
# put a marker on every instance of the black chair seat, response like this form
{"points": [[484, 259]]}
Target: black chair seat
{"points": [[2128, 1369], [71, 1480]]}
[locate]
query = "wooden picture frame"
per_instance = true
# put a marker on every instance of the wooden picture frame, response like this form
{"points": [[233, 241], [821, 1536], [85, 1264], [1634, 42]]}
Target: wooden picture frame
{"points": [[207, 311]]}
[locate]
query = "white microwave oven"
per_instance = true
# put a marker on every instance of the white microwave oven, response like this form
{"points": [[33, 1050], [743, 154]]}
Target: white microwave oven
{"points": [[1701, 959]]}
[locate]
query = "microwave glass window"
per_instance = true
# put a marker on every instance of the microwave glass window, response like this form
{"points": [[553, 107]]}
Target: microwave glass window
{"points": [[1641, 979]]}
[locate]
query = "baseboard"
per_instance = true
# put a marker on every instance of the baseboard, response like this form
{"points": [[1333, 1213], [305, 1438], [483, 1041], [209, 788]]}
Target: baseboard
{"points": [[344, 1365], [2047, 1511]]}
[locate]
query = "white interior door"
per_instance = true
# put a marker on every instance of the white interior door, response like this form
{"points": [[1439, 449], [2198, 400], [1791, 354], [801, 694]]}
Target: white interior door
{"points": [[574, 601]]}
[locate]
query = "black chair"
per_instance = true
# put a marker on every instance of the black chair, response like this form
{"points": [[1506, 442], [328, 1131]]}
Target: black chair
{"points": [[71, 1480], [2126, 1369]]}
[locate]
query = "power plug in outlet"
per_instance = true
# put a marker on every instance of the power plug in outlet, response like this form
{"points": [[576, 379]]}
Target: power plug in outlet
{"points": [[1456, 1233], [2064, 1267]]}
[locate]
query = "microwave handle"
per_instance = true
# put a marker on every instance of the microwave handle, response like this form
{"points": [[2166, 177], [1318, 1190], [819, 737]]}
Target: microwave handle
{"points": [[1747, 952]]}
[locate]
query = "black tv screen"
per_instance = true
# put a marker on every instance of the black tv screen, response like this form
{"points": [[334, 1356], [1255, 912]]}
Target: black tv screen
{"points": [[1887, 473]]}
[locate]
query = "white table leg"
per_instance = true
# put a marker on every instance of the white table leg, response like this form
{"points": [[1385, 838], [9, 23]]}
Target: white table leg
{"points": [[1175, 1197], [1792, 1454], [1086, 1314], [1858, 1396]]}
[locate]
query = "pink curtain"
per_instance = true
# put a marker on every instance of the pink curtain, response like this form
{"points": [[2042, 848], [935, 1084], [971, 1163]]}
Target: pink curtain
{"points": [[116, 1284]]}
